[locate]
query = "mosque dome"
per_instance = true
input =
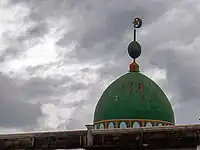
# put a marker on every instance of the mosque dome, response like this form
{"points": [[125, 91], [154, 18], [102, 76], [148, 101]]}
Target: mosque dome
{"points": [[133, 100]]}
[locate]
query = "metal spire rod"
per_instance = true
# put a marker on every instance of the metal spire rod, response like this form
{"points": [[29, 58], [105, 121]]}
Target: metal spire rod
{"points": [[137, 23], [134, 34]]}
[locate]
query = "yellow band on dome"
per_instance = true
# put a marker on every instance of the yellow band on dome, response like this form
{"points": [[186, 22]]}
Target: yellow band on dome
{"points": [[140, 120]]}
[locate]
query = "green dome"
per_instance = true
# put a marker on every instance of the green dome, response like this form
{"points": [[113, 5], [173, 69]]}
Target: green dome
{"points": [[134, 96]]}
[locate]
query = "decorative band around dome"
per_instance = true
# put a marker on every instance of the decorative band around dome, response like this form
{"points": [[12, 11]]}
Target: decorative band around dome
{"points": [[132, 123]]}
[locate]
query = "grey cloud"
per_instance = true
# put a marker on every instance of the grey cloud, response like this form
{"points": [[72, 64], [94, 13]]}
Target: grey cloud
{"points": [[18, 108], [182, 73], [107, 20], [45, 88], [12, 50], [15, 112], [38, 87], [15, 40], [104, 25], [38, 30]]}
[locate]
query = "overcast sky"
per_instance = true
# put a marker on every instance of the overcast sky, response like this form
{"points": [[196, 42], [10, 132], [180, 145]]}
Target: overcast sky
{"points": [[57, 57]]}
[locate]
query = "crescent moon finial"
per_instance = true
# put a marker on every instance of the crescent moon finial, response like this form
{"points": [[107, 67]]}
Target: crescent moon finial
{"points": [[137, 22]]}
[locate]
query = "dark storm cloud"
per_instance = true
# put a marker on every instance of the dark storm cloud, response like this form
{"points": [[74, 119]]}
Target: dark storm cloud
{"points": [[44, 88], [14, 110], [106, 20], [102, 27], [17, 109], [184, 74]]}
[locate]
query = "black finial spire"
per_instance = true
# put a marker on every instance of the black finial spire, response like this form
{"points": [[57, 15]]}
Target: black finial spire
{"points": [[134, 48], [134, 34]]}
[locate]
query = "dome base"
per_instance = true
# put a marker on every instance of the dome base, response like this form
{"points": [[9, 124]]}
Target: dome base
{"points": [[129, 123]]}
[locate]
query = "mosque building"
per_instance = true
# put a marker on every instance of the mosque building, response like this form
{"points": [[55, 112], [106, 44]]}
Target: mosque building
{"points": [[133, 100]]}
